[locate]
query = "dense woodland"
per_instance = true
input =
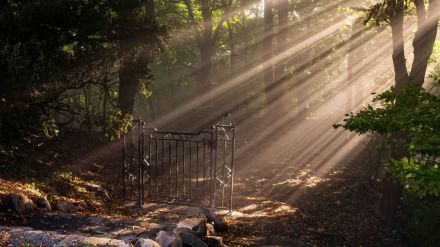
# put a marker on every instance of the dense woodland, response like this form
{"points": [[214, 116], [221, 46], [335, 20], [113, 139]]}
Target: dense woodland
{"points": [[300, 78]]}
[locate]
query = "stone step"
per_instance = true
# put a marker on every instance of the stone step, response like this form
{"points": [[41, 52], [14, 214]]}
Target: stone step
{"points": [[19, 236]]}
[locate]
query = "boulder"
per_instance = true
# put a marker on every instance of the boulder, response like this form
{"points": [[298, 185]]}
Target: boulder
{"points": [[21, 204], [197, 225], [146, 242], [169, 239], [219, 224], [190, 238], [65, 206], [43, 204]]}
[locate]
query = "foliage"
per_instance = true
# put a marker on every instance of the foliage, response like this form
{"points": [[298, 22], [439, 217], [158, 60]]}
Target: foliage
{"points": [[423, 224], [60, 67], [50, 129], [421, 175], [378, 14], [435, 59], [120, 125], [416, 113]]}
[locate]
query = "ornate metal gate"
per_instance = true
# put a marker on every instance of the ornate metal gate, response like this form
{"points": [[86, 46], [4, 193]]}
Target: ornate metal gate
{"points": [[174, 167]]}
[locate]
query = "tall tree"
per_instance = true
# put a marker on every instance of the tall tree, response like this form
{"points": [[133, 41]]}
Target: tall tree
{"points": [[206, 36], [268, 51], [139, 38], [423, 43], [278, 87]]}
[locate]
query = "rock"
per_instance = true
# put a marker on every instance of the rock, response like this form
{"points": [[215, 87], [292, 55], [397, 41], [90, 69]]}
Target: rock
{"points": [[101, 229], [95, 220], [169, 239], [43, 204], [142, 242], [129, 239], [214, 241], [149, 234], [219, 224], [22, 204], [190, 238], [65, 206], [197, 225], [118, 243], [170, 216], [26, 237]]}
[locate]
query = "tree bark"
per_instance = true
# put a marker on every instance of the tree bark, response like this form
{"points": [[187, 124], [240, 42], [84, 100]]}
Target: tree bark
{"points": [[268, 52], [232, 56], [424, 39], [401, 76], [134, 63], [207, 48], [389, 199], [204, 39], [280, 76]]}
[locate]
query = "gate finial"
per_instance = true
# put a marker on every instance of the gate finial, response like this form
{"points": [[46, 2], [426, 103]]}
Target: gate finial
{"points": [[226, 119]]}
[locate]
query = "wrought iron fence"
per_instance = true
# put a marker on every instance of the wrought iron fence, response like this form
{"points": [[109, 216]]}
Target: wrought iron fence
{"points": [[182, 168]]}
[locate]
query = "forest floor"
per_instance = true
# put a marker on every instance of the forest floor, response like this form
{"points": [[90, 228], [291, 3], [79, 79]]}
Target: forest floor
{"points": [[272, 207], [298, 208]]}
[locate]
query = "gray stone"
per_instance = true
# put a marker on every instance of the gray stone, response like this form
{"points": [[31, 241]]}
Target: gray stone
{"points": [[21, 203], [127, 231], [102, 228], [72, 240], [96, 241], [197, 225], [170, 216], [43, 204], [95, 220], [65, 206], [169, 239], [115, 220], [142, 242], [118, 243], [34, 238], [156, 226], [129, 239], [189, 238], [219, 224], [149, 234]]}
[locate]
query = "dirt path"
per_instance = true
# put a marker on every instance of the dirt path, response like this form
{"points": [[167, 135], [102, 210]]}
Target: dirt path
{"points": [[299, 208]]}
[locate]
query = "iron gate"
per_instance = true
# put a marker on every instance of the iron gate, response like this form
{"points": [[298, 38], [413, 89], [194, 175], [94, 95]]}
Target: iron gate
{"points": [[175, 167]]}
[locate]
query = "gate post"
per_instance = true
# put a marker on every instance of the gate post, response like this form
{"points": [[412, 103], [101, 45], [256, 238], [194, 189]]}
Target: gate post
{"points": [[232, 167], [140, 163], [213, 165]]}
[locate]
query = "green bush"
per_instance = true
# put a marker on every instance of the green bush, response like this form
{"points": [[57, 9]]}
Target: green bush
{"points": [[416, 113]]}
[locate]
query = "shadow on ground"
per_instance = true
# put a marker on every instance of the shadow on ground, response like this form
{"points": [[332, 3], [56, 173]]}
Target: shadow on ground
{"points": [[290, 205]]}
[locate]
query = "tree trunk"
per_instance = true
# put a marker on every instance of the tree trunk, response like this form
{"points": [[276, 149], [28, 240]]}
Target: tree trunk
{"points": [[278, 87], [206, 48], [232, 56], [424, 39], [133, 63], [399, 61], [391, 191], [128, 85], [268, 52], [423, 44]]}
